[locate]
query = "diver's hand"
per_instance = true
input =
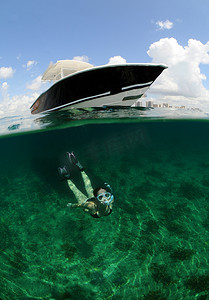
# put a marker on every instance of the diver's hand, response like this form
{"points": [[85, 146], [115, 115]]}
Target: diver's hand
{"points": [[69, 205]]}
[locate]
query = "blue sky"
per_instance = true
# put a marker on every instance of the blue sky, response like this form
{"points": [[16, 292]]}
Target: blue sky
{"points": [[34, 33]]}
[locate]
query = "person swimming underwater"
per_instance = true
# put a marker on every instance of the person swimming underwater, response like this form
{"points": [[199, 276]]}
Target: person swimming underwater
{"points": [[99, 201]]}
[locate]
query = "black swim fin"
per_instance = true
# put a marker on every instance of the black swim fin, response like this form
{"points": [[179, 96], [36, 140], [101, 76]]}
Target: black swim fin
{"points": [[64, 173], [74, 161]]}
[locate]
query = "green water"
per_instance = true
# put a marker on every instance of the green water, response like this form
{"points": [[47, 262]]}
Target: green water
{"points": [[154, 245]]}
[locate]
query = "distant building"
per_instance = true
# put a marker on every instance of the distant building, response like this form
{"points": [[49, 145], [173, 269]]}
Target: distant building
{"points": [[139, 103], [149, 103], [165, 104]]}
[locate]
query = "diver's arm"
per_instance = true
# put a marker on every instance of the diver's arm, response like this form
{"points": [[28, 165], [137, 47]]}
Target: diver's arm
{"points": [[110, 206], [86, 206], [89, 207], [74, 205]]}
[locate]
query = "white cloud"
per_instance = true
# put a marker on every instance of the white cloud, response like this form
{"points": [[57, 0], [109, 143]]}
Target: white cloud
{"points": [[30, 64], [4, 91], [17, 105], [36, 84], [4, 86], [116, 60], [83, 58], [164, 25], [6, 72], [183, 78]]}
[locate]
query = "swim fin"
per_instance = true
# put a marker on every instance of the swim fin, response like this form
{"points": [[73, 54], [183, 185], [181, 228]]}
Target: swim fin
{"points": [[74, 161], [64, 173]]}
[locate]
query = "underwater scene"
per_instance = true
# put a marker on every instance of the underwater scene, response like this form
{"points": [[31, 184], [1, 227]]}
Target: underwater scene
{"points": [[154, 244]]}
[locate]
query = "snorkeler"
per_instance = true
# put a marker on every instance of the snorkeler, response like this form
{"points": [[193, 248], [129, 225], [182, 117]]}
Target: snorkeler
{"points": [[99, 201]]}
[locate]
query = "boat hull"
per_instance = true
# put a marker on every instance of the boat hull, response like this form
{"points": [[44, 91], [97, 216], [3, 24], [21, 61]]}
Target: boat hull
{"points": [[111, 85]]}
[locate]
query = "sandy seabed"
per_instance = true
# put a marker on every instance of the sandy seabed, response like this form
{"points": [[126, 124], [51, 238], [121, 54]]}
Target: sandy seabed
{"points": [[154, 245]]}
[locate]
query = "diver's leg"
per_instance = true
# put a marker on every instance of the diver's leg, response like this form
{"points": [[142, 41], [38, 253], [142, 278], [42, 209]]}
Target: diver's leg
{"points": [[87, 184], [81, 198]]}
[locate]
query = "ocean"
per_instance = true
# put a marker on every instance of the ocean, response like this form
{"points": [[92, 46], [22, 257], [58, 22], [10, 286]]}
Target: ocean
{"points": [[155, 243]]}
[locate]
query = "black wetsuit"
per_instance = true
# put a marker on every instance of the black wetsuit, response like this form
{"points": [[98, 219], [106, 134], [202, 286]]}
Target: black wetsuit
{"points": [[100, 207]]}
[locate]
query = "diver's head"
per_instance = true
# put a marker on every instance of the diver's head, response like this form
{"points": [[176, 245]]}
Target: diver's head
{"points": [[103, 196]]}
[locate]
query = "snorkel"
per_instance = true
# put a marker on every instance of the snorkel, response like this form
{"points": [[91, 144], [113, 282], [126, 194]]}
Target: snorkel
{"points": [[108, 187], [108, 202]]}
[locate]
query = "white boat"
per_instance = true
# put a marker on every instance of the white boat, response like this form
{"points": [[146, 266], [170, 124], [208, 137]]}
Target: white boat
{"points": [[81, 85]]}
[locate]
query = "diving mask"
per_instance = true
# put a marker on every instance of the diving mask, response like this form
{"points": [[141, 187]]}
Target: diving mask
{"points": [[105, 198]]}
